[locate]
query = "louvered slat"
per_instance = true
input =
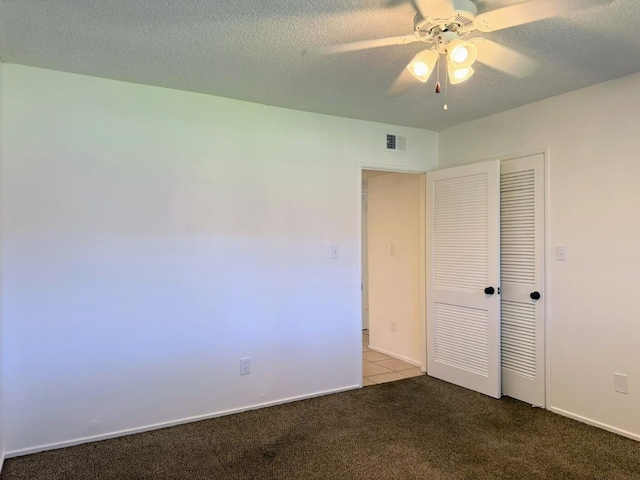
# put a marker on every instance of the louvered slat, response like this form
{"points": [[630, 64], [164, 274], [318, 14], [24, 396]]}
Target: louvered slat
{"points": [[518, 262], [460, 233], [462, 338], [517, 227], [518, 339]]}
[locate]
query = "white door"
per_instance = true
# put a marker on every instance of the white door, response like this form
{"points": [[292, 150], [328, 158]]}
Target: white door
{"points": [[522, 263], [463, 276]]}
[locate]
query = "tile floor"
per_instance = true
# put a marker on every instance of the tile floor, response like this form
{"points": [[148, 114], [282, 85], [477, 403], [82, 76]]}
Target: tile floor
{"points": [[380, 368]]}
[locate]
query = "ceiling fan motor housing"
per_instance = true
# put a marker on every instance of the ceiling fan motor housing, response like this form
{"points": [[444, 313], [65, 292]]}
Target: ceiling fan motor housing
{"points": [[464, 13]]}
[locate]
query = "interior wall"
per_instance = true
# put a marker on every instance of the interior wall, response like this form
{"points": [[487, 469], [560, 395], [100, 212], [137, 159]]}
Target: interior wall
{"points": [[394, 259], [592, 203], [153, 237]]}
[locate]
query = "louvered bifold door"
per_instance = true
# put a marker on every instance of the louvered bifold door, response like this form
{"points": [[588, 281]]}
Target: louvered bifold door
{"points": [[522, 259], [463, 267]]}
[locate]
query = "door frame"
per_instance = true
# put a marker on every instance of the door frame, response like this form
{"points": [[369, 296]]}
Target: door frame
{"points": [[423, 262], [364, 245]]}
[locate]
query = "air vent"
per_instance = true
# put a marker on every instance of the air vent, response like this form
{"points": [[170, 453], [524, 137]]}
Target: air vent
{"points": [[396, 143]]}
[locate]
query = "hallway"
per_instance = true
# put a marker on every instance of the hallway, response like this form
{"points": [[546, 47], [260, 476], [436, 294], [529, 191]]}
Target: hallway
{"points": [[380, 368]]}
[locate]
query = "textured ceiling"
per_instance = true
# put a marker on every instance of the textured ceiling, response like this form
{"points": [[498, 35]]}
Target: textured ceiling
{"points": [[251, 50]]}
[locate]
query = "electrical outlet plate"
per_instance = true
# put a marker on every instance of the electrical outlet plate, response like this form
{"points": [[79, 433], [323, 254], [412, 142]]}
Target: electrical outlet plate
{"points": [[245, 366], [620, 382]]}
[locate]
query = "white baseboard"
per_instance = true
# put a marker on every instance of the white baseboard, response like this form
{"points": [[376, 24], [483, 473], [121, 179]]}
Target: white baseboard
{"points": [[594, 423], [172, 423], [394, 355]]}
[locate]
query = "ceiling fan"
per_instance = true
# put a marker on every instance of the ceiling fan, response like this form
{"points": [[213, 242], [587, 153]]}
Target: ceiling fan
{"points": [[444, 24]]}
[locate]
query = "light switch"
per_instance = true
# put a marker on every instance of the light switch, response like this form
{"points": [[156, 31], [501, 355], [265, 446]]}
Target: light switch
{"points": [[561, 253], [392, 250], [335, 252]]}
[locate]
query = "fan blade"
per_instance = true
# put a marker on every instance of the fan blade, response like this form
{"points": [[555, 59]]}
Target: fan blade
{"points": [[531, 11], [363, 45], [403, 83], [504, 59], [435, 8]]}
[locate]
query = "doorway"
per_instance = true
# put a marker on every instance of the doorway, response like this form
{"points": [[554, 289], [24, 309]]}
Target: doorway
{"points": [[392, 248]]}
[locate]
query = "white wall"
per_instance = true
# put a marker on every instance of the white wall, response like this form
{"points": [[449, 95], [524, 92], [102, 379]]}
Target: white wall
{"points": [[594, 209], [152, 238], [394, 219]]}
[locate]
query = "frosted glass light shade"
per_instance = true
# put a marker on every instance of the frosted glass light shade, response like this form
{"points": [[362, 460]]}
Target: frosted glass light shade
{"points": [[422, 65], [461, 54], [459, 75]]}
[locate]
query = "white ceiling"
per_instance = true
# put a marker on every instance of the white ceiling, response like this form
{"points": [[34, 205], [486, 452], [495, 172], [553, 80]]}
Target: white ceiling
{"points": [[251, 50]]}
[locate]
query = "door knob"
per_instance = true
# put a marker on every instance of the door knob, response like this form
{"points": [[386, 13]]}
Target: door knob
{"points": [[489, 290], [535, 295]]}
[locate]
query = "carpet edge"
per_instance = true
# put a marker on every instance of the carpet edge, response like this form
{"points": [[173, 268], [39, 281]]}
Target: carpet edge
{"points": [[170, 423]]}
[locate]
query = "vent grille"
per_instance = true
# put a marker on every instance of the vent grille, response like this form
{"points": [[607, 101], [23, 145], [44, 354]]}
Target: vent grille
{"points": [[396, 143]]}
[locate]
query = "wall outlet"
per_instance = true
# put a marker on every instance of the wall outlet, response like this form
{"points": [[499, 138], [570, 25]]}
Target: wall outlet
{"points": [[335, 252], [561, 253], [393, 326], [620, 382], [245, 366]]}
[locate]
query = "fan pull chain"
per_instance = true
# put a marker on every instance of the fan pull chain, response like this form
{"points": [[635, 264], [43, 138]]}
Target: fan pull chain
{"points": [[446, 92], [438, 81]]}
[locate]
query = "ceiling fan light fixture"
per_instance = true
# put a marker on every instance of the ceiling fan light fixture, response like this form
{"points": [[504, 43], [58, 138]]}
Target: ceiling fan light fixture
{"points": [[461, 54], [423, 64], [459, 75], [420, 68]]}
